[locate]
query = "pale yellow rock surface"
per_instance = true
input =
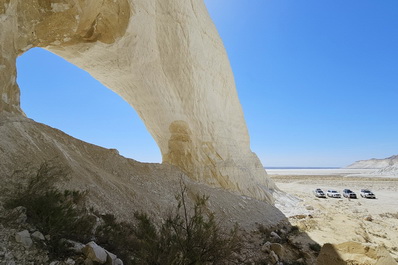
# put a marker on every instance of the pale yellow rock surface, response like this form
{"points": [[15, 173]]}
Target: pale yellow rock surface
{"points": [[166, 59]]}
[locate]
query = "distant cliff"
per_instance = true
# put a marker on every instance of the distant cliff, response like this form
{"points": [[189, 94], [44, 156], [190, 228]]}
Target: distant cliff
{"points": [[376, 163], [384, 166]]}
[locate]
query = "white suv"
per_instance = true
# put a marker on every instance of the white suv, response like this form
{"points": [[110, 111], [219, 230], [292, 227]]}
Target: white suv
{"points": [[333, 194], [367, 194]]}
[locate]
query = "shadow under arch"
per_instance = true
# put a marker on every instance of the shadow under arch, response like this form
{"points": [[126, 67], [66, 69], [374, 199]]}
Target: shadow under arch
{"points": [[59, 94]]}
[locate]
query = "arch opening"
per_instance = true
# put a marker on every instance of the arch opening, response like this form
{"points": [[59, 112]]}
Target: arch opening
{"points": [[61, 95]]}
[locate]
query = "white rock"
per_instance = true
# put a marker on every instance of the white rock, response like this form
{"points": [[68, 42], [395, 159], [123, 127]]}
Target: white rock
{"points": [[23, 237], [95, 253], [275, 235], [111, 259], [38, 236], [70, 261]]}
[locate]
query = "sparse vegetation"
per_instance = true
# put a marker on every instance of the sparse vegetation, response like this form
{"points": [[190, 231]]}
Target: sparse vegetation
{"points": [[56, 213], [185, 237], [189, 235]]}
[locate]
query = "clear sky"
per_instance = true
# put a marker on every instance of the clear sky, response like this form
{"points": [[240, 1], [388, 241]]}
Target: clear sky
{"points": [[318, 82]]}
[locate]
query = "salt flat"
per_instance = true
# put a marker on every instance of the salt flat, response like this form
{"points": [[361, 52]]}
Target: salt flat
{"points": [[317, 171]]}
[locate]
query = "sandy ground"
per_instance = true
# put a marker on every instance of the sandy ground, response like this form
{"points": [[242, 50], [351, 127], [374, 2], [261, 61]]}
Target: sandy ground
{"points": [[369, 221]]}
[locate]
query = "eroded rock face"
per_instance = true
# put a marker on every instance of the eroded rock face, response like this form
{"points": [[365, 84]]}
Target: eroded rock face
{"points": [[165, 58]]}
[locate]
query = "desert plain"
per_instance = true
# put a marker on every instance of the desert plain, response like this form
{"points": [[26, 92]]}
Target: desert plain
{"points": [[371, 222]]}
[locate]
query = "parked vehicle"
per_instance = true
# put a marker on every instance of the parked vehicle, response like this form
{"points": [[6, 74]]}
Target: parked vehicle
{"points": [[333, 194], [365, 193], [349, 194], [319, 193]]}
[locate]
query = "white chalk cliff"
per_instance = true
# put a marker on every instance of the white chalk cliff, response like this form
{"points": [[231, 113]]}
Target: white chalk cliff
{"points": [[165, 58], [376, 163], [384, 167]]}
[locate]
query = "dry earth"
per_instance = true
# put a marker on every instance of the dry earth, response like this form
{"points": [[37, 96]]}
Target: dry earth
{"points": [[372, 222]]}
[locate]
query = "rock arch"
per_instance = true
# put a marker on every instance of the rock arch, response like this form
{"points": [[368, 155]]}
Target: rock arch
{"points": [[165, 58]]}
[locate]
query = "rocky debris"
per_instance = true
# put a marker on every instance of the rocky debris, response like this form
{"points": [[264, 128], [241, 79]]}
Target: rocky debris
{"points": [[19, 246]]}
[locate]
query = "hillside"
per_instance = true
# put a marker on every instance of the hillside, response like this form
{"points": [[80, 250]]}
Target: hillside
{"points": [[376, 163], [114, 183]]}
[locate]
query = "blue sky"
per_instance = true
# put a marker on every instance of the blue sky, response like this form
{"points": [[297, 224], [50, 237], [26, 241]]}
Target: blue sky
{"points": [[318, 82]]}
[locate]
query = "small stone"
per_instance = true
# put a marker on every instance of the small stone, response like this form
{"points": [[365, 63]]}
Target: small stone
{"points": [[266, 247], [273, 257], [11, 262], [275, 235], [70, 261], [88, 261], [47, 237], [23, 237], [55, 262], [278, 249], [309, 208], [118, 262], [38, 236], [368, 218]]}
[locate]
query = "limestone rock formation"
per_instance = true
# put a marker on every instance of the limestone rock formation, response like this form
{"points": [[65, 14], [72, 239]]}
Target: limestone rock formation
{"points": [[375, 163], [165, 58], [383, 167]]}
